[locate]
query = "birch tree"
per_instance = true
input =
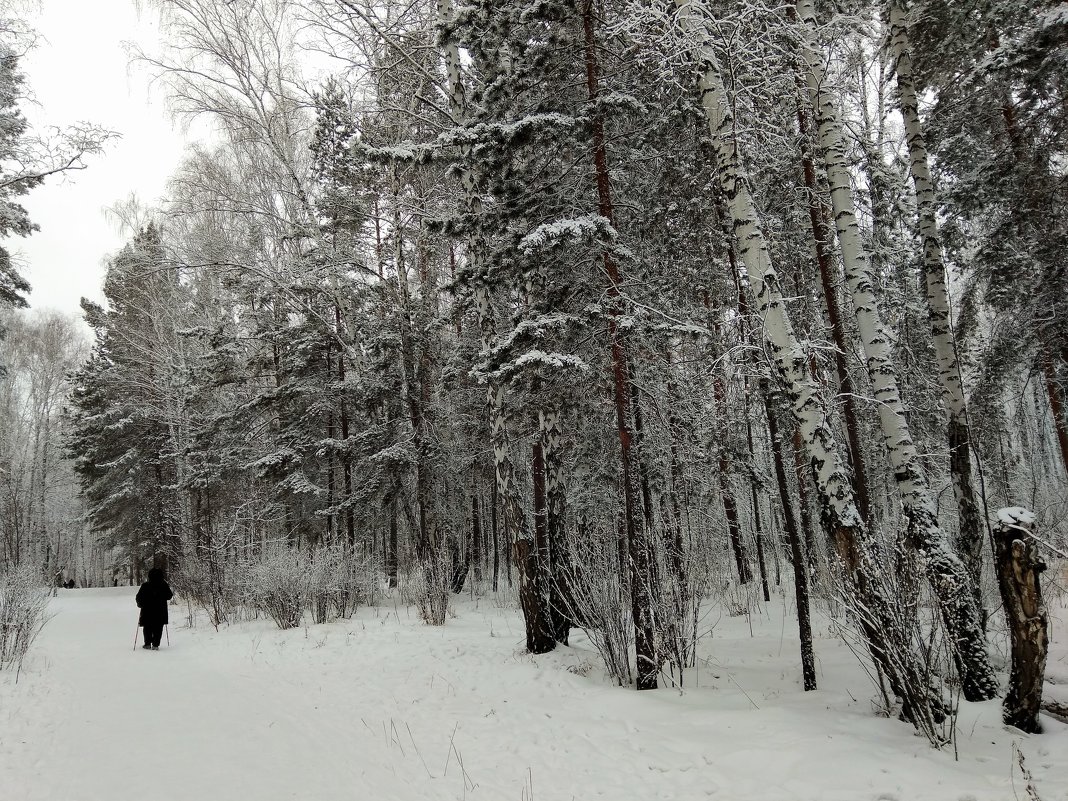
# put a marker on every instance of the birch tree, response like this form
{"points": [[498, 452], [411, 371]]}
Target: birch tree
{"points": [[935, 281], [946, 573], [890, 647]]}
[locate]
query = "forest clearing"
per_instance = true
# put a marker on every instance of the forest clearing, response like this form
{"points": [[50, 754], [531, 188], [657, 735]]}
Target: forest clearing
{"points": [[377, 706]]}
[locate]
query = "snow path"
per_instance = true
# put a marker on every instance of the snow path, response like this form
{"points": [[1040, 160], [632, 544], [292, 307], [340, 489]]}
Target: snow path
{"points": [[382, 707]]}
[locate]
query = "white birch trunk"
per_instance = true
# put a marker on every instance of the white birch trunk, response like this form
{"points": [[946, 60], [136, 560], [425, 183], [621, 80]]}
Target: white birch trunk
{"points": [[948, 577], [970, 540], [805, 400], [888, 641]]}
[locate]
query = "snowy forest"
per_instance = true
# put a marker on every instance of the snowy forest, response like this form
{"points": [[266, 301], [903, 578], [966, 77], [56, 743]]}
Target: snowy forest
{"points": [[634, 319]]}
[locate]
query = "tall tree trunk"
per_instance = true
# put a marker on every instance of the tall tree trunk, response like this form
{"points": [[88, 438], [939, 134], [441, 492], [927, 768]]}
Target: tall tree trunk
{"points": [[801, 591], [755, 497], [807, 527], [970, 538], [538, 557], [946, 573], [648, 664], [559, 566], [730, 506], [889, 644], [748, 337], [821, 238], [496, 536], [411, 395], [676, 631], [1056, 407], [346, 460], [331, 433], [476, 536], [391, 548], [516, 532]]}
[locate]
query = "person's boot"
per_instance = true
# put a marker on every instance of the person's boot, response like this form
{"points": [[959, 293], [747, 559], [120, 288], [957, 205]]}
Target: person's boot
{"points": [[155, 647], [147, 647]]}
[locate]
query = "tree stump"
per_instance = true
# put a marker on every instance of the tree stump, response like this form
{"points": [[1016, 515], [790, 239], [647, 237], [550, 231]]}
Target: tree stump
{"points": [[1018, 564]]}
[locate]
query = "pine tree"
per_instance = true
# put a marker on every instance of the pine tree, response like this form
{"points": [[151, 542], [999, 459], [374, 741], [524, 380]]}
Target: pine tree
{"points": [[127, 426]]}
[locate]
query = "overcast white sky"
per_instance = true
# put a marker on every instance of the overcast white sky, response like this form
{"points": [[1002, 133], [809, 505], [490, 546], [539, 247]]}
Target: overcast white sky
{"points": [[80, 72]]}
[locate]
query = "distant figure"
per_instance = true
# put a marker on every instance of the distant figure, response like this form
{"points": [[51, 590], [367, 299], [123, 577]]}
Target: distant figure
{"points": [[152, 601], [70, 585]]}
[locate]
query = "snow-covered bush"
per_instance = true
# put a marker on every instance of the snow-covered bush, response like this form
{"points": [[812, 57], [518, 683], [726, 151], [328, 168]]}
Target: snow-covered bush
{"points": [[279, 586], [218, 586], [338, 582], [600, 602], [428, 587], [324, 568], [679, 615], [23, 599]]}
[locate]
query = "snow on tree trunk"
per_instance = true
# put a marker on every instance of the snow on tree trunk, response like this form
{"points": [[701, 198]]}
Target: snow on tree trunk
{"points": [[801, 589], [1018, 566], [947, 574], [970, 539], [806, 404], [821, 238], [642, 584], [886, 637], [535, 613]]}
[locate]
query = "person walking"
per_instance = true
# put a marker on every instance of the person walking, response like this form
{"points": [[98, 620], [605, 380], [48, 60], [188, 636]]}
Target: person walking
{"points": [[152, 601]]}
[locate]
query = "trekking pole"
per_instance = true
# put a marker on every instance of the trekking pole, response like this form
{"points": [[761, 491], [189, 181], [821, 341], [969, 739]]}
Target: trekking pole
{"points": [[167, 629], [135, 633]]}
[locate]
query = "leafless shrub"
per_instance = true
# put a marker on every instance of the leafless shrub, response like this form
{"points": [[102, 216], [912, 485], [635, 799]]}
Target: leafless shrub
{"points": [[218, 586], [339, 581], [600, 600], [680, 609], [279, 587], [428, 587], [23, 600], [913, 645]]}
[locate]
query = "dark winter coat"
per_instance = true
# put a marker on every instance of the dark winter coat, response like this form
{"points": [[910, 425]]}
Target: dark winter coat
{"points": [[152, 599]]}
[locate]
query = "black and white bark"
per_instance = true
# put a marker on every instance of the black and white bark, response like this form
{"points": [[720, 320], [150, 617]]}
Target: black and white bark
{"points": [[948, 577], [970, 537], [881, 625]]}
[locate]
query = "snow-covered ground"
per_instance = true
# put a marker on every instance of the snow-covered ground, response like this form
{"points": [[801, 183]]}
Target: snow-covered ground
{"points": [[382, 707]]}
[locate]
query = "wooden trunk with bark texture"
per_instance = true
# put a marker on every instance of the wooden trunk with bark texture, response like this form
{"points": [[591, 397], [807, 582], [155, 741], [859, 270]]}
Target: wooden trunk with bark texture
{"points": [[1018, 566], [642, 583], [949, 579], [886, 635], [516, 532]]}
